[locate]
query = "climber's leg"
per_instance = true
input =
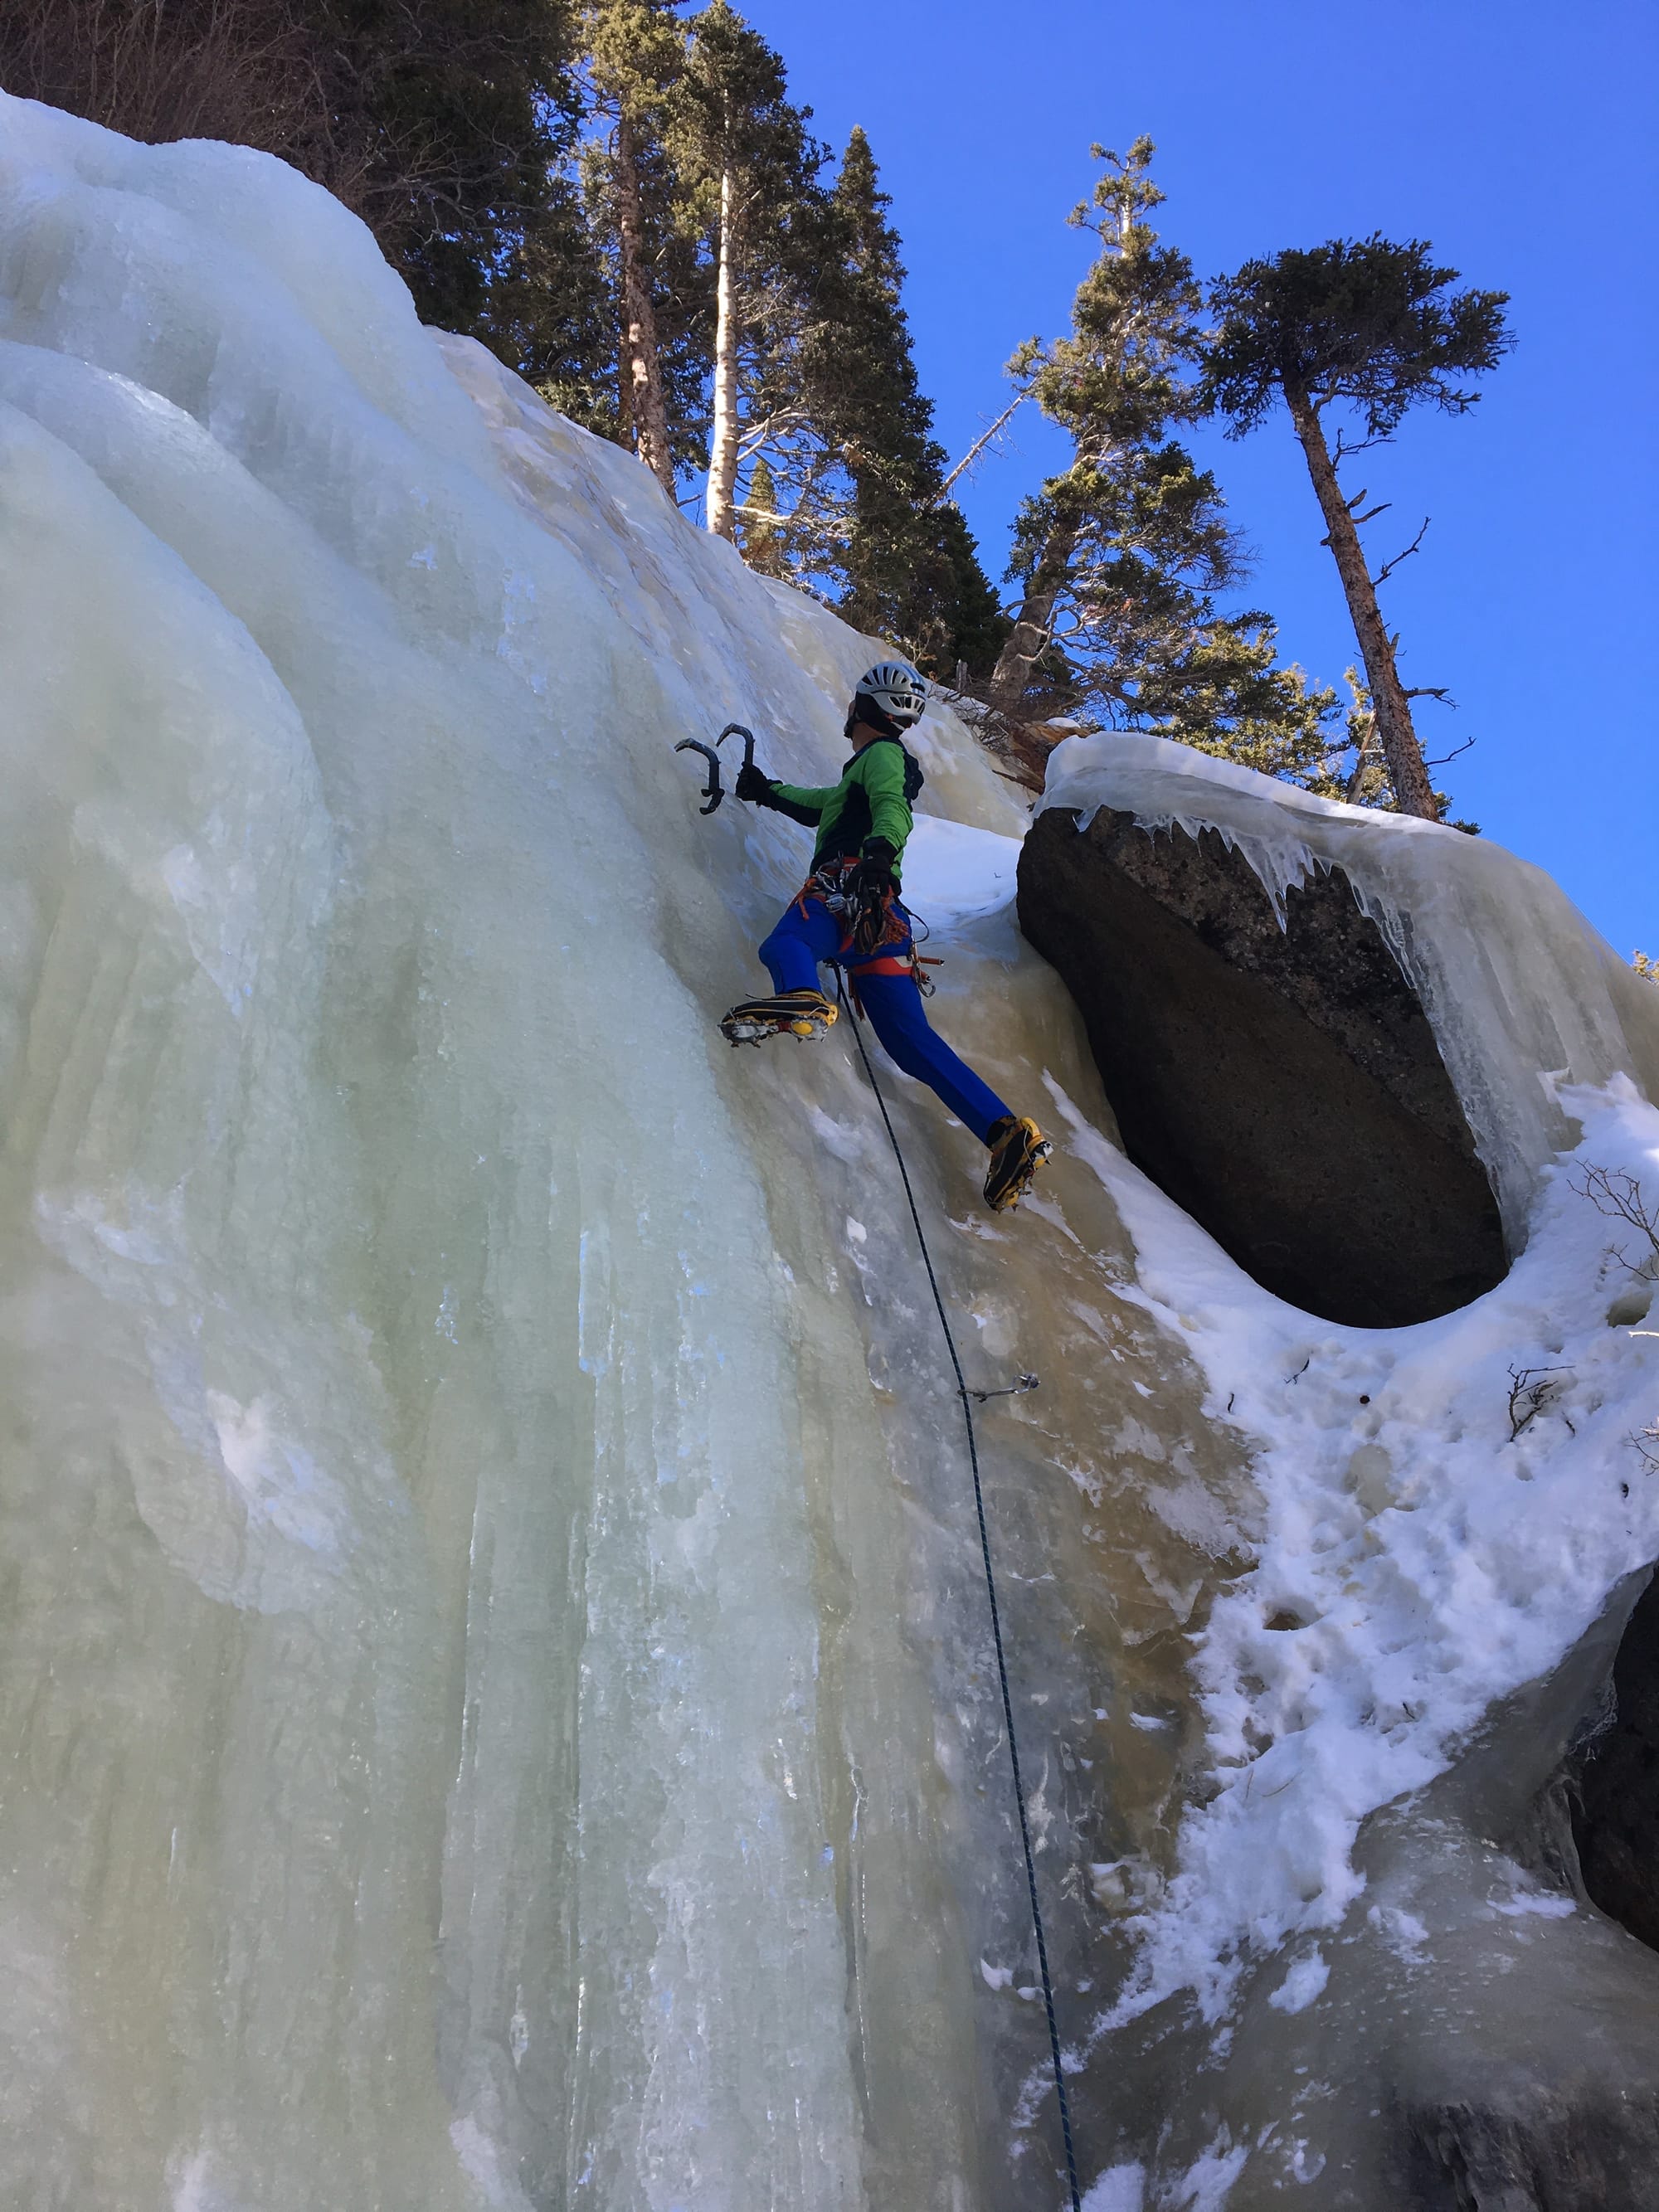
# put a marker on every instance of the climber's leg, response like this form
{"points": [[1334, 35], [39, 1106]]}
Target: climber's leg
{"points": [[896, 1014], [807, 934]]}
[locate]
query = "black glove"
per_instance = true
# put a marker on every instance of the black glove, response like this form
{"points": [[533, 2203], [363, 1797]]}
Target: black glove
{"points": [[753, 786], [870, 886], [874, 872]]}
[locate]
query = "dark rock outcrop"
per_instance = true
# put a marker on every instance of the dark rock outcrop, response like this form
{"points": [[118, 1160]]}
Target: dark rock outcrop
{"points": [[1560, 2154], [1616, 1815], [1284, 1086]]}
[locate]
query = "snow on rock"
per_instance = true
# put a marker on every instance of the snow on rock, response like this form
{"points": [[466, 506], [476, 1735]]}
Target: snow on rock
{"points": [[496, 1691]]}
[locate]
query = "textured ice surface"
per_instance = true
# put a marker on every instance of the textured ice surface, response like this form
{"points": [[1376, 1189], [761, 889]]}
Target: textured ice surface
{"points": [[493, 1690]]}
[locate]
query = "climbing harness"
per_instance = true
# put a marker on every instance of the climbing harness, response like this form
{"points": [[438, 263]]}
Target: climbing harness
{"points": [[1025, 1382]]}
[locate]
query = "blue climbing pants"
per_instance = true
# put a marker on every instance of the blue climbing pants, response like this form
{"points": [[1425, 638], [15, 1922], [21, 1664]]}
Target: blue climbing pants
{"points": [[810, 934]]}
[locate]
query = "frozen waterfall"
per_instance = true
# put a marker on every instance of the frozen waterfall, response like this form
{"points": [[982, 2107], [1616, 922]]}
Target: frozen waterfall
{"points": [[495, 1705]]}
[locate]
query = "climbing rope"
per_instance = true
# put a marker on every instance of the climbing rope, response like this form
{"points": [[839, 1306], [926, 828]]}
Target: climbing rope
{"points": [[966, 1397]]}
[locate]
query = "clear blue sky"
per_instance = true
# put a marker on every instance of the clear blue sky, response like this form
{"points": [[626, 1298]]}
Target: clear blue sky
{"points": [[1521, 140]]}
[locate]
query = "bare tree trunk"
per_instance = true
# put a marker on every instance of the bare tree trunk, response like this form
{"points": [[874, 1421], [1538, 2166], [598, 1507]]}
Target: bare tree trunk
{"points": [[1029, 638], [1394, 733], [645, 408], [723, 434]]}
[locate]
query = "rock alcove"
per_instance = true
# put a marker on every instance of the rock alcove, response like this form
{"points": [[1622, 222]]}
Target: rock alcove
{"points": [[1282, 1086]]}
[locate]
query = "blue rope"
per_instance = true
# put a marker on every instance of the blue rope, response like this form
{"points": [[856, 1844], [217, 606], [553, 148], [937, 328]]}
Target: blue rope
{"points": [[991, 1593]]}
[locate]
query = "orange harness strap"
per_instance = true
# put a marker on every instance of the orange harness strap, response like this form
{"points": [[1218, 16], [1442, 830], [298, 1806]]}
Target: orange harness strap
{"points": [[889, 964]]}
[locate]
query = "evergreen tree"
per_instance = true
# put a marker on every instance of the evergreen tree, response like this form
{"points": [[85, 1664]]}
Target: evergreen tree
{"points": [[1122, 556], [763, 546], [634, 53], [1115, 384], [1370, 326], [832, 405], [749, 174], [911, 569]]}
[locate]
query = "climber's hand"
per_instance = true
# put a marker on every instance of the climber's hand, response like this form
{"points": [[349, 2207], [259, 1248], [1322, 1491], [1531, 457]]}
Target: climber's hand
{"points": [[872, 886], [873, 877], [753, 786]]}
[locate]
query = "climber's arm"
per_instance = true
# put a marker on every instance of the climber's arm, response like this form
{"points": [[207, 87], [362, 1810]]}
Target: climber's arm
{"points": [[801, 802]]}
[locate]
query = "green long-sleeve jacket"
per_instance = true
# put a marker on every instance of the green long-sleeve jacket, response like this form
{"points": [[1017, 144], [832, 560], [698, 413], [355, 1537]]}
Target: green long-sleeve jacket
{"points": [[873, 799]]}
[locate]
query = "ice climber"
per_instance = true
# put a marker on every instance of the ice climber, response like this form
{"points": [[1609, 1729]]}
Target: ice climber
{"points": [[848, 913]]}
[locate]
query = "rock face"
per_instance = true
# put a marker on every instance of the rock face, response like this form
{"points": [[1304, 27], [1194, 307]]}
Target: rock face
{"points": [[1282, 1086], [1616, 1818]]}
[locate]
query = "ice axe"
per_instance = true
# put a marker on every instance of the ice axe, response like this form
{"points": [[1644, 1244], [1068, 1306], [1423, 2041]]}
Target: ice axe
{"points": [[737, 730], [713, 791]]}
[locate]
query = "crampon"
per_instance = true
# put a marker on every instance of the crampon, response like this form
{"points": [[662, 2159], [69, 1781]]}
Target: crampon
{"points": [[792, 1013], [1018, 1149]]}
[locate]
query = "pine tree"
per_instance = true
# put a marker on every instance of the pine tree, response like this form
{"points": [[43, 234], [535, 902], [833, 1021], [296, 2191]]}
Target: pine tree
{"points": [[762, 545], [748, 169], [635, 52], [911, 569], [833, 403], [1122, 555], [1369, 326], [1116, 384]]}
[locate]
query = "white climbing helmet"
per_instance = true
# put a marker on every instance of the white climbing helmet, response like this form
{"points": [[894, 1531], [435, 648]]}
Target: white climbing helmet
{"points": [[897, 689]]}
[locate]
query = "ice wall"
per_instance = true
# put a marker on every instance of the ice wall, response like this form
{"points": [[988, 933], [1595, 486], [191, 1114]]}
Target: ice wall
{"points": [[494, 1693]]}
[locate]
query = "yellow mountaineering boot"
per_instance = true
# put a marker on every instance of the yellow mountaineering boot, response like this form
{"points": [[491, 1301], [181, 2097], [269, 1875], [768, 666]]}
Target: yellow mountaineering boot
{"points": [[797, 1013], [1018, 1149]]}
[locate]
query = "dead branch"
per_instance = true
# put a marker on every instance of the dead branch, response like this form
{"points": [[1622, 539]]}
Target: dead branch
{"points": [[976, 449], [1342, 449], [797, 521], [770, 426], [1454, 751], [1530, 1391], [1388, 567], [1620, 1197]]}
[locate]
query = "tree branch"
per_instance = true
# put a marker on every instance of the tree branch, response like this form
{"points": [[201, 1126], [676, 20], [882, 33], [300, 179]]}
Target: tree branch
{"points": [[1453, 754], [758, 434], [976, 449], [1342, 449], [796, 521], [1387, 569]]}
